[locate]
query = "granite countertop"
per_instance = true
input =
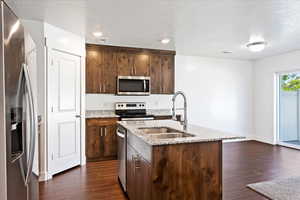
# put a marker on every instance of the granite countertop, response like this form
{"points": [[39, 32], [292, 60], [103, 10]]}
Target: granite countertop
{"points": [[111, 113], [100, 114], [201, 134], [159, 112]]}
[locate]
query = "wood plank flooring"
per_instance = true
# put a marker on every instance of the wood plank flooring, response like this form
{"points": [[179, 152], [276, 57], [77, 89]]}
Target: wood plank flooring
{"points": [[243, 163]]}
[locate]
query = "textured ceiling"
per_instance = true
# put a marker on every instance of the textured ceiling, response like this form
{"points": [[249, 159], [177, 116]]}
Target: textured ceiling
{"points": [[197, 27]]}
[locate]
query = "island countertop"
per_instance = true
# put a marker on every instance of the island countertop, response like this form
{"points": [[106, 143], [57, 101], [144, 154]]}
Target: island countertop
{"points": [[201, 134]]}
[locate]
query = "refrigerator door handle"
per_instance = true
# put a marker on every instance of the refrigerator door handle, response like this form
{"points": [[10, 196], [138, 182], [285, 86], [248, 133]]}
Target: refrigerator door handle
{"points": [[33, 123]]}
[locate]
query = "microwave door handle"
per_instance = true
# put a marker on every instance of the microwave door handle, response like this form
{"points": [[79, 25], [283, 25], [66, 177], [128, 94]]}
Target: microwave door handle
{"points": [[144, 85], [33, 123]]}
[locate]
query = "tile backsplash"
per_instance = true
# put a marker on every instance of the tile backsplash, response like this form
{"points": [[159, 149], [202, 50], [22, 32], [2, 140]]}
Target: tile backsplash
{"points": [[107, 101]]}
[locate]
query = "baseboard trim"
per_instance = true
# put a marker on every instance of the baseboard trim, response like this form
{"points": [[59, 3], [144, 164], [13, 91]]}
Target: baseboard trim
{"points": [[44, 176], [263, 141], [83, 161], [237, 140]]}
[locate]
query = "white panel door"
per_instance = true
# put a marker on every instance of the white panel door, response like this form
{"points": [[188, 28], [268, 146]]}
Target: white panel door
{"points": [[64, 111]]}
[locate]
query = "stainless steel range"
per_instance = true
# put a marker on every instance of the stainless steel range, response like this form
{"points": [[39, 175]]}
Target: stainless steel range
{"points": [[128, 112], [133, 111]]}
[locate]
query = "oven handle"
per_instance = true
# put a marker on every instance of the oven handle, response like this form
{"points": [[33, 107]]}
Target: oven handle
{"points": [[120, 134], [137, 119]]}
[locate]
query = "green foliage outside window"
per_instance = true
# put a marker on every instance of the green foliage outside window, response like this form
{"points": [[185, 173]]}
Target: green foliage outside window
{"points": [[290, 82]]}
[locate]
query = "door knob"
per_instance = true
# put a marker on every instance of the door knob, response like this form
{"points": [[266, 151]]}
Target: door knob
{"points": [[78, 116]]}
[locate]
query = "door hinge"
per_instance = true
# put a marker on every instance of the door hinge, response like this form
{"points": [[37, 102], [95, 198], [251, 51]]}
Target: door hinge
{"points": [[45, 41], [52, 109], [52, 62], [52, 156]]}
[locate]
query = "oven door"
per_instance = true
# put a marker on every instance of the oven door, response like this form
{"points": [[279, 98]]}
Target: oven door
{"points": [[133, 85], [122, 152]]}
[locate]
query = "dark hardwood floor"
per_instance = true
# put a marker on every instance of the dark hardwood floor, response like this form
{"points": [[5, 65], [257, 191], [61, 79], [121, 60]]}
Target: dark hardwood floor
{"points": [[243, 163]]}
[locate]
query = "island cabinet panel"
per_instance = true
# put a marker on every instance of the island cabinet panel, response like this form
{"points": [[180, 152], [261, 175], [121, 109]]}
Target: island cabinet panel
{"points": [[138, 176], [187, 171], [105, 63], [101, 139]]}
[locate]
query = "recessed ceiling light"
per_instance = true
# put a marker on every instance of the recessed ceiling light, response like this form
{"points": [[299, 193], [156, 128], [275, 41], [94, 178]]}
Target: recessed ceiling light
{"points": [[226, 52], [98, 34], [165, 40]]}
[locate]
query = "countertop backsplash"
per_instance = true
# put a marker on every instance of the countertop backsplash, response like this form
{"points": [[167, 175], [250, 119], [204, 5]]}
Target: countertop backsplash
{"points": [[107, 101]]}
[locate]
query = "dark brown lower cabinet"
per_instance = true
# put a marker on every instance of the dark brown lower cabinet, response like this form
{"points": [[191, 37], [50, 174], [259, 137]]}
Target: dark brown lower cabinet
{"points": [[138, 176], [101, 139]]}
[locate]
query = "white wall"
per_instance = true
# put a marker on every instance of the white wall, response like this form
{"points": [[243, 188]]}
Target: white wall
{"points": [[107, 101], [264, 88], [219, 92]]}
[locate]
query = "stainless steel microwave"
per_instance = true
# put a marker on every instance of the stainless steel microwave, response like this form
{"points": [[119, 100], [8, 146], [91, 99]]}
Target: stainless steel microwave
{"points": [[133, 85]]}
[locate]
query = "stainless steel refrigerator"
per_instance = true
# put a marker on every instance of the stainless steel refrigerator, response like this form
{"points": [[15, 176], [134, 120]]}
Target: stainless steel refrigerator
{"points": [[19, 110]]}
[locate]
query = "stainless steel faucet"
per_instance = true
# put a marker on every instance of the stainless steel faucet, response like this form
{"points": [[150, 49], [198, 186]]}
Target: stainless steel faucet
{"points": [[184, 122]]}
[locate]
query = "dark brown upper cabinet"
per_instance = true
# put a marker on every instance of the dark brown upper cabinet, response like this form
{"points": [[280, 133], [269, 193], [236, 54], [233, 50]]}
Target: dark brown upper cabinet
{"points": [[155, 71], [141, 65], [125, 64], [101, 69], [105, 63], [168, 74], [162, 74]]}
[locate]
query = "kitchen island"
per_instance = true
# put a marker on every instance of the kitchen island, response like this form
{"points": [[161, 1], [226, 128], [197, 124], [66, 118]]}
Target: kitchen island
{"points": [[165, 162]]}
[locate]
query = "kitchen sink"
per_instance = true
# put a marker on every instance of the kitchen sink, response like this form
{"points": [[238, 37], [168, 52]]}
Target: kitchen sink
{"points": [[164, 133], [159, 130]]}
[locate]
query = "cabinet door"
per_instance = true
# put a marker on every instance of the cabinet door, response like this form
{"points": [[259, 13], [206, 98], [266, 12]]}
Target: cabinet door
{"points": [[141, 65], [168, 74], [155, 72], [110, 141], [94, 59], [109, 72], [125, 63], [138, 176], [130, 170], [101, 139], [93, 139]]}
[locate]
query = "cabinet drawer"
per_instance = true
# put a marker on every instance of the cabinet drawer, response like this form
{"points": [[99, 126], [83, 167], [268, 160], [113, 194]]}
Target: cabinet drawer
{"points": [[101, 121]]}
